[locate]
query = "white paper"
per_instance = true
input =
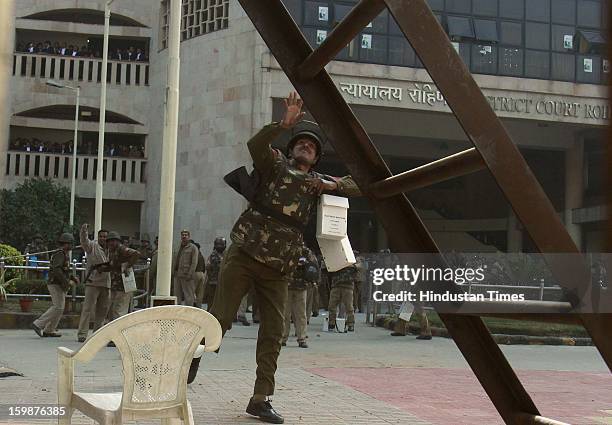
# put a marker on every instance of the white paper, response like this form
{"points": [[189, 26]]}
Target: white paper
{"points": [[366, 41], [606, 66], [321, 35], [323, 13], [588, 65], [568, 41], [406, 310], [455, 45], [129, 281]]}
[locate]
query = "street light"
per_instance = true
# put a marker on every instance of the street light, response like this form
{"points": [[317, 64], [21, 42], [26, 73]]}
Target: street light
{"points": [[54, 83], [99, 174]]}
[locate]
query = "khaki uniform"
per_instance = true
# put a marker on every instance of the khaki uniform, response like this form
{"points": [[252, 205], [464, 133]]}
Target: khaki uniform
{"points": [[342, 283], [59, 284], [120, 259], [213, 266], [402, 327], [265, 250], [97, 286], [297, 298], [185, 264]]}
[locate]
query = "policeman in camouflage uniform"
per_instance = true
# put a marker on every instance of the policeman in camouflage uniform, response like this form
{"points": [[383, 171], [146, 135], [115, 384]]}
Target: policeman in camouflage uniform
{"points": [[267, 240], [58, 285], [305, 274], [213, 265], [342, 285], [121, 259]]}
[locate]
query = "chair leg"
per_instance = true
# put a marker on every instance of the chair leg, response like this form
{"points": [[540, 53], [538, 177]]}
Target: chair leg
{"points": [[188, 415], [171, 421]]}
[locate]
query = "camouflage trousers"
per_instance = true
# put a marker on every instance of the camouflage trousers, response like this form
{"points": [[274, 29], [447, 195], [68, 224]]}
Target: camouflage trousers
{"points": [[402, 327], [295, 308], [239, 272], [341, 295], [119, 304]]}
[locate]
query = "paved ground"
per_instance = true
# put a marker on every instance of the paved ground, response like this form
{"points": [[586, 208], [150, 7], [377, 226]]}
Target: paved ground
{"points": [[363, 378]]}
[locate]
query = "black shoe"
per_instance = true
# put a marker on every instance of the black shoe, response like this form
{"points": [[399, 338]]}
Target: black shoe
{"points": [[397, 334], [302, 344], [351, 328], [255, 320], [283, 344], [245, 322], [51, 334], [316, 314], [264, 411], [111, 344], [424, 337], [38, 330], [82, 339], [331, 328], [193, 369]]}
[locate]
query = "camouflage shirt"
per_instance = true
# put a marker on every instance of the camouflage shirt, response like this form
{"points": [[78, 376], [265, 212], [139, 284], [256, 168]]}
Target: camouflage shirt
{"points": [[59, 270], [213, 265], [300, 279], [284, 189], [345, 278], [121, 255]]}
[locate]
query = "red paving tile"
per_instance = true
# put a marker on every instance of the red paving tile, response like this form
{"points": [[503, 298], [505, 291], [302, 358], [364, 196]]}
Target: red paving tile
{"points": [[454, 396]]}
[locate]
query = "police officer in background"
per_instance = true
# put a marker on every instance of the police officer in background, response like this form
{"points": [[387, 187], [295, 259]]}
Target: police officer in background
{"points": [[121, 259], [213, 265], [342, 284], [184, 269], [267, 240], [58, 285], [306, 272]]}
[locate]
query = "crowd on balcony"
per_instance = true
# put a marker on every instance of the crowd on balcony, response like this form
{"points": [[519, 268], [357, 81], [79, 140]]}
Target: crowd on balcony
{"points": [[86, 148], [65, 49]]}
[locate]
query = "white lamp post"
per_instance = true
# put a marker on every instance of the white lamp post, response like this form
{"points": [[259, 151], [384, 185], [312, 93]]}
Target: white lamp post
{"points": [[99, 173], [74, 146]]}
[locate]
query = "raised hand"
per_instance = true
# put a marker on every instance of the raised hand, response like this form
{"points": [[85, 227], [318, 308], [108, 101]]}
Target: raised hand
{"points": [[293, 111]]}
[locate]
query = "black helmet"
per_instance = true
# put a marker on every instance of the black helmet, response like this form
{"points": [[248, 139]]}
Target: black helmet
{"points": [[306, 134], [220, 242], [113, 235], [66, 238]]}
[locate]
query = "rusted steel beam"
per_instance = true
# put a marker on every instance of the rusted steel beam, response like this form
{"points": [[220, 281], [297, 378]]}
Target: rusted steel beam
{"points": [[500, 154], [459, 164], [405, 230], [357, 19]]}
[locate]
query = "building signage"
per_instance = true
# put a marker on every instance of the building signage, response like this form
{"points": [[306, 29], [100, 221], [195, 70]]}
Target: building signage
{"points": [[511, 104]]}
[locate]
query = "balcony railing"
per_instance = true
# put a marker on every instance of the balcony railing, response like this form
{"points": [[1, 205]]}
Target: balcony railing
{"points": [[114, 169], [67, 68]]}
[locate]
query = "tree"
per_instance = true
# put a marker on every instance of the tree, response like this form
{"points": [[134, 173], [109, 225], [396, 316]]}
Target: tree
{"points": [[35, 206]]}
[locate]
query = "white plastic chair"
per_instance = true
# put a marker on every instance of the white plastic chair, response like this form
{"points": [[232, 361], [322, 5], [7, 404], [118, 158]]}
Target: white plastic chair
{"points": [[156, 346]]}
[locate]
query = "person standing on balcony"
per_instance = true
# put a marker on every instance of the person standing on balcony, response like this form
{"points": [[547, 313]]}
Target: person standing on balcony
{"points": [[97, 283], [59, 283]]}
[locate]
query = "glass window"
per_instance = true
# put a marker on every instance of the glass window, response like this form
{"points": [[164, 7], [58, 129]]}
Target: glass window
{"points": [[486, 30], [465, 51], [510, 61], [563, 38], [379, 24], [340, 11], [537, 36], [317, 13], [588, 69], [459, 6], [511, 33], [563, 67], [436, 4], [538, 10], [485, 7], [589, 14], [460, 27], [563, 12], [537, 64], [511, 9], [484, 59], [373, 48], [295, 9], [400, 52]]}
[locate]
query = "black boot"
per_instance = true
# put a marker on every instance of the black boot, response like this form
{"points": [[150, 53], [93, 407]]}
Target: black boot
{"points": [[193, 369], [264, 411]]}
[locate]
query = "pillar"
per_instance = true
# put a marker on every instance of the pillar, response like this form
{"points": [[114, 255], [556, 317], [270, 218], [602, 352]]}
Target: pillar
{"points": [[574, 187]]}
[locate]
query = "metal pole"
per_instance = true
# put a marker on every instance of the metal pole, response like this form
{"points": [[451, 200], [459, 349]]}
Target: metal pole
{"points": [[74, 156], [99, 173], [166, 207]]}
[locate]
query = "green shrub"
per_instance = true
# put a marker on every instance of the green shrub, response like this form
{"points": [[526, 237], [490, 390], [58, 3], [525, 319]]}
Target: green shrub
{"points": [[16, 260]]}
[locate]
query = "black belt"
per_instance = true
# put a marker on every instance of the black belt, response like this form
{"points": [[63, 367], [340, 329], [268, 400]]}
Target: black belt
{"points": [[285, 219]]}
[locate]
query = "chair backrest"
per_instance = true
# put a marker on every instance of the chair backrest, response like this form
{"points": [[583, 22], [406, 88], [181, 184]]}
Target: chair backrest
{"points": [[157, 345]]}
